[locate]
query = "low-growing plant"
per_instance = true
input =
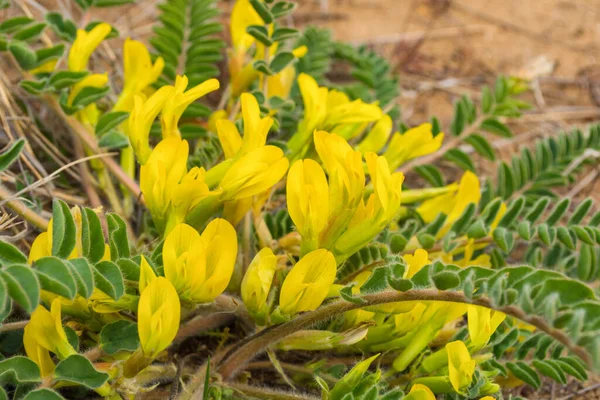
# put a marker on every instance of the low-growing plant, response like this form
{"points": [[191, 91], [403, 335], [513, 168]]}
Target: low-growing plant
{"points": [[282, 241]]}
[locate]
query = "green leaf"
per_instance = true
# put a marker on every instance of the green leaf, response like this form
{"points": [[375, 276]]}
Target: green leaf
{"points": [[43, 394], [432, 174], [346, 294], [376, 282], [481, 146], [460, 158], [551, 370], [89, 95], [564, 236], [64, 28], [117, 237], [512, 213], [282, 8], [280, 61], [585, 262], [492, 125], [112, 3], [119, 336], [503, 238], [282, 34], [260, 33], [19, 369], [14, 24], [56, 277], [113, 140], [24, 55], [446, 280], [460, 119], [487, 100], [262, 67], [426, 240], [462, 223], [262, 10], [78, 369], [23, 286], [129, 269], [30, 32], [575, 367], [84, 276], [92, 237], [9, 254], [109, 121], [33, 87], [49, 53], [108, 279], [525, 373], [477, 230], [558, 211], [62, 79], [63, 230]]}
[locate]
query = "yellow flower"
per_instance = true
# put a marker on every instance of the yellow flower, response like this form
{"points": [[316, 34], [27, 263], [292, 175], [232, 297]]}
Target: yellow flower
{"points": [[242, 16], [187, 194], [46, 330], [46, 67], [326, 110], [467, 260], [308, 198], [90, 114], [377, 136], [308, 282], [255, 129], [200, 266], [158, 316], [140, 120], [453, 203], [84, 45], [415, 262], [138, 72], [147, 274], [38, 354], [165, 168], [415, 142], [257, 281], [179, 100], [420, 392], [483, 322], [253, 173], [379, 211], [461, 366]]}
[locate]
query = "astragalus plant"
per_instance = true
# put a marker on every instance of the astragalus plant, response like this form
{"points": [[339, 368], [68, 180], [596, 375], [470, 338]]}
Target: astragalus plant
{"points": [[287, 236]]}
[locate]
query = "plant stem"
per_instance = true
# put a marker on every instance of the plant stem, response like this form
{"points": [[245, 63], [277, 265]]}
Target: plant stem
{"points": [[13, 326], [240, 355], [21, 209], [264, 393]]}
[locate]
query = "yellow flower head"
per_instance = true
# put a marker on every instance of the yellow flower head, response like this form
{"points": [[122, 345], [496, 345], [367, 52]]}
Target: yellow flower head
{"points": [[413, 143], [453, 203], [308, 282], [255, 129], [140, 121], [253, 173], [200, 266], [308, 198], [165, 168], [483, 322], [147, 274], [242, 16], [179, 100], [461, 366], [158, 316], [257, 281], [139, 72], [377, 136], [419, 392], [188, 193], [84, 45], [46, 330]]}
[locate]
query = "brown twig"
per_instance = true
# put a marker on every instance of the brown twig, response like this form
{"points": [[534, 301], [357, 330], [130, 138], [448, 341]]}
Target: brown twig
{"points": [[13, 326], [21, 209]]}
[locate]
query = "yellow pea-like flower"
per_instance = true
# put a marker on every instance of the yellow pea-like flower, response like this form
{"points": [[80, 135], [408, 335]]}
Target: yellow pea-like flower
{"points": [[158, 316], [377, 136], [179, 100], [453, 203], [308, 282], [461, 366], [253, 173], [200, 266], [413, 143], [483, 322], [159, 176], [45, 328], [140, 121], [187, 194], [138, 72], [255, 129], [38, 354], [257, 281], [147, 274], [84, 45], [308, 198], [415, 262], [419, 392], [90, 114]]}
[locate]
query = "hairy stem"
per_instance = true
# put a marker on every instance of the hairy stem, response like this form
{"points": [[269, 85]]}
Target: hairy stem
{"points": [[240, 355], [265, 393]]}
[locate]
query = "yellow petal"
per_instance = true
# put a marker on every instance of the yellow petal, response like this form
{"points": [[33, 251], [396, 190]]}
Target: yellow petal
{"points": [[415, 262], [257, 280], [230, 138], [147, 274], [377, 136], [460, 365], [84, 45]]}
